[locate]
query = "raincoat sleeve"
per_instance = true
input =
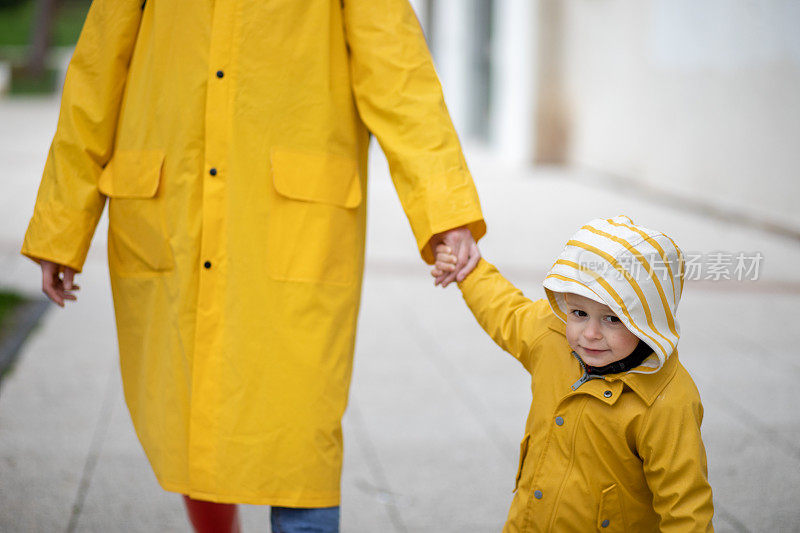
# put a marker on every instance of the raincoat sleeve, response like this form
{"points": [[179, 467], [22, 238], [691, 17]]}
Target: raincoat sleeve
{"points": [[513, 321], [400, 101], [69, 205], [674, 461]]}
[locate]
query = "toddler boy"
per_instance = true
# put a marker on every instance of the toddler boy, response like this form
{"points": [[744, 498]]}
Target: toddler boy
{"points": [[612, 441]]}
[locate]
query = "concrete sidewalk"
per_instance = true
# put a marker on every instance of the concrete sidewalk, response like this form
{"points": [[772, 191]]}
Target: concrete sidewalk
{"points": [[436, 410]]}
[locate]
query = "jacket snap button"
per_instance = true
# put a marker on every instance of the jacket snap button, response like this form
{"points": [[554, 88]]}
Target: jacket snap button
{"points": [[559, 421], [607, 394], [605, 523], [213, 171], [537, 494], [207, 264], [220, 74]]}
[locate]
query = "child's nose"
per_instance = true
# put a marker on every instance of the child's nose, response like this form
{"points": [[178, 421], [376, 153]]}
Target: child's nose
{"points": [[592, 330]]}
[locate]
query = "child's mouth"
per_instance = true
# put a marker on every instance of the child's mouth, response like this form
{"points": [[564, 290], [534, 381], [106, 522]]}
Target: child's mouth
{"points": [[593, 352]]}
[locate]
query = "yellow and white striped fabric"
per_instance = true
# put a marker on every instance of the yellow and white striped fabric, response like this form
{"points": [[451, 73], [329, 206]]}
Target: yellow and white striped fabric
{"points": [[636, 271]]}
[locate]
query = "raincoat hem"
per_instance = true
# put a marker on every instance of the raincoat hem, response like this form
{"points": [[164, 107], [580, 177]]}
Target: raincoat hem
{"points": [[296, 501]]}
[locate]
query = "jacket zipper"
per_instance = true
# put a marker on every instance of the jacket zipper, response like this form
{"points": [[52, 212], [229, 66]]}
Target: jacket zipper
{"points": [[586, 375]]}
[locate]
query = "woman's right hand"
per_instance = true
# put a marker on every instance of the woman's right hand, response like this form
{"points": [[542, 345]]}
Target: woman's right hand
{"points": [[57, 282]]}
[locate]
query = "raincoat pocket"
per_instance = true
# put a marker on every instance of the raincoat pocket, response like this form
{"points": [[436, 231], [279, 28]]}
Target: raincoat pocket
{"points": [[609, 513], [315, 230], [138, 244], [523, 451]]}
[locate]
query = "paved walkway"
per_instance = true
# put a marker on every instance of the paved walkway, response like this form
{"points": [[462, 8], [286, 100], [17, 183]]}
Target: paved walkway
{"points": [[436, 410]]}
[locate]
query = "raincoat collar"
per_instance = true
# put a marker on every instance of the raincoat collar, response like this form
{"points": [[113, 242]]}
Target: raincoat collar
{"points": [[649, 386], [646, 386]]}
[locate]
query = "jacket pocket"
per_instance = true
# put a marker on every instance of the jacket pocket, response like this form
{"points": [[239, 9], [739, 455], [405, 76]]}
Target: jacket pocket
{"points": [[315, 229], [609, 512], [523, 451], [137, 239]]}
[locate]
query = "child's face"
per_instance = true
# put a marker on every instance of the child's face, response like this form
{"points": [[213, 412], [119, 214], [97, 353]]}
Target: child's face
{"points": [[595, 332]]}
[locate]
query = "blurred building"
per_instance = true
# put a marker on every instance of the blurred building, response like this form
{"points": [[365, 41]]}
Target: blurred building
{"points": [[696, 98]]}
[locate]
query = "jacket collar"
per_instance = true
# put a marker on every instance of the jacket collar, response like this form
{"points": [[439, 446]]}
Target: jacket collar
{"points": [[649, 386]]}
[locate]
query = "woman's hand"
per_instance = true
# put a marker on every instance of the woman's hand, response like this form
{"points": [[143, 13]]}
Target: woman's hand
{"points": [[57, 282], [461, 246]]}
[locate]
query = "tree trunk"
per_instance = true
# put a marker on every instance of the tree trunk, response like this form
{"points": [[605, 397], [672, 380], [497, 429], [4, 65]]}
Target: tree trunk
{"points": [[40, 37]]}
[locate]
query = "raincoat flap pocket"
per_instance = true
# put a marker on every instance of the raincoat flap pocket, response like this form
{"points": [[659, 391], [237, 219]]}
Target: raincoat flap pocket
{"points": [[523, 451], [609, 514], [316, 177], [132, 174]]}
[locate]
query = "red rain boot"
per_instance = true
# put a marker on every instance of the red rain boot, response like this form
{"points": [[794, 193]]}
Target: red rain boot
{"points": [[210, 517]]}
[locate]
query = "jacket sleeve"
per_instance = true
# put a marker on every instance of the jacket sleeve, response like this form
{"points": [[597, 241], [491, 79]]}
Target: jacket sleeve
{"points": [[399, 99], [674, 461], [513, 321], [68, 204]]}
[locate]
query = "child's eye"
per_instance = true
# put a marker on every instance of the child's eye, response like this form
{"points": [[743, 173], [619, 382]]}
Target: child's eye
{"points": [[612, 319], [578, 313]]}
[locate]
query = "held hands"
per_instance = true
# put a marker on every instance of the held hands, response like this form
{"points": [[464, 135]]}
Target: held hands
{"points": [[57, 282], [456, 255], [445, 263]]}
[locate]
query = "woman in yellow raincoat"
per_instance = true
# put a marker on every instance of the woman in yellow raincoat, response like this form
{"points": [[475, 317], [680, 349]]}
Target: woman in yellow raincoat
{"points": [[231, 141]]}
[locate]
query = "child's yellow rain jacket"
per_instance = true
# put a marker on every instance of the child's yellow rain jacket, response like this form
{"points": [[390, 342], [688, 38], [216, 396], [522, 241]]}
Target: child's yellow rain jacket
{"points": [[231, 138], [621, 452]]}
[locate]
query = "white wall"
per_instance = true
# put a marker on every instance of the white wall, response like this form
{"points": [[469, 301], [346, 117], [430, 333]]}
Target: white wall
{"points": [[701, 98]]}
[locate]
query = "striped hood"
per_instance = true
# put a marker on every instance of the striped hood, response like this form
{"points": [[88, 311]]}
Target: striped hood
{"points": [[636, 271]]}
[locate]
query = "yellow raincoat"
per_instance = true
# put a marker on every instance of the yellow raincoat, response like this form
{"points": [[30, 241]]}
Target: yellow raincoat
{"points": [[622, 452], [230, 138]]}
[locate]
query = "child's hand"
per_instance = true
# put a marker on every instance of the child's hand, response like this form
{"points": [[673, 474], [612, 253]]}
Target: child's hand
{"points": [[445, 262]]}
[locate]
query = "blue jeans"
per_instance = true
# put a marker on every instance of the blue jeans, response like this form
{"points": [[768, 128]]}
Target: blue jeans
{"points": [[316, 520]]}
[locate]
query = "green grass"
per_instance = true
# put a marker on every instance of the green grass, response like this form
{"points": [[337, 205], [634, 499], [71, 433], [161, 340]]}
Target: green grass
{"points": [[8, 304], [8, 301], [16, 22], [23, 83]]}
